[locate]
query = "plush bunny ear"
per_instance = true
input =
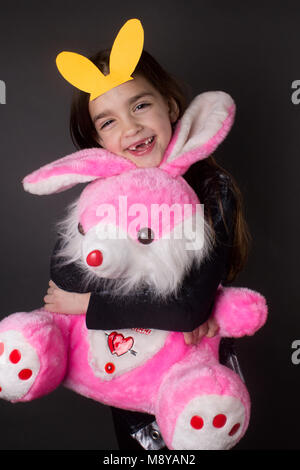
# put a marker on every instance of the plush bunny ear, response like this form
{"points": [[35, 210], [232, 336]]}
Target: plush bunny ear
{"points": [[79, 167], [202, 128]]}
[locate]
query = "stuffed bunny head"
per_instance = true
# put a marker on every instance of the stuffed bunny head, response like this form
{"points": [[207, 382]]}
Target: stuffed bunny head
{"points": [[140, 227], [136, 227]]}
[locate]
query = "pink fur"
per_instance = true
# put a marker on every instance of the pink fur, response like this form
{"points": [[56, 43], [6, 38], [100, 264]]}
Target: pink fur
{"points": [[240, 311], [95, 162], [49, 340], [163, 385], [133, 390], [145, 186], [180, 165], [207, 377]]}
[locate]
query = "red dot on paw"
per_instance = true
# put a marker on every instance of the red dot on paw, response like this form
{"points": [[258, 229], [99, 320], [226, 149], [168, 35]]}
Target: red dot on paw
{"points": [[1, 348], [15, 356], [235, 429], [0, 389], [219, 421], [25, 374], [197, 422]]}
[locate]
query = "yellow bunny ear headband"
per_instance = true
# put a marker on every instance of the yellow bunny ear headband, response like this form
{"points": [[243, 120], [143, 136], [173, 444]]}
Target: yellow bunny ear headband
{"points": [[125, 54]]}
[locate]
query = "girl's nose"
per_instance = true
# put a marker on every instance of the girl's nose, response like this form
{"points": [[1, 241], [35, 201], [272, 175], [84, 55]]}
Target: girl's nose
{"points": [[131, 127]]}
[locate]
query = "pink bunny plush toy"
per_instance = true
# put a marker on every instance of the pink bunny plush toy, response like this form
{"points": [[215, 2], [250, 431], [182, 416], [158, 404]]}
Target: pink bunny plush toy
{"points": [[198, 403]]}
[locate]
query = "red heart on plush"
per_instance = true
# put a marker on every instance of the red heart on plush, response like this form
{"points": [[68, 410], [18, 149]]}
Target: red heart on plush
{"points": [[118, 344]]}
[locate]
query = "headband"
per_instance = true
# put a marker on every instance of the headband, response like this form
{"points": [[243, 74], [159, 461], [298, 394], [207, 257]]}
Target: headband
{"points": [[126, 51]]}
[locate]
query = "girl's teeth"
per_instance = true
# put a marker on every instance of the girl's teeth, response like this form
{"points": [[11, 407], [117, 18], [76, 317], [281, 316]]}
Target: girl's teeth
{"points": [[148, 141]]}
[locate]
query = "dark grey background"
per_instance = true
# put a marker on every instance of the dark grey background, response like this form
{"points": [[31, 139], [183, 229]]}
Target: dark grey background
{"points": [[248, 49]]}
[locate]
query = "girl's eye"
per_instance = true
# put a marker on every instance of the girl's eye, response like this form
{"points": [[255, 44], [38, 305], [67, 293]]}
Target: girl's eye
{"points": [[106, 124], [142, 105]]}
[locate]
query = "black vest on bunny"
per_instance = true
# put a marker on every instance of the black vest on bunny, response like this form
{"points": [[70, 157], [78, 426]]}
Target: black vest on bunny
{"points": [[192, 305]]}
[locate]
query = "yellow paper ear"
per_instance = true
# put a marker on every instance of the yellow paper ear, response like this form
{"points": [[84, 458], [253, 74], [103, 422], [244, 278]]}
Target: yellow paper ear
{"points": [[127, 48], [79, 71], [125, 54]]}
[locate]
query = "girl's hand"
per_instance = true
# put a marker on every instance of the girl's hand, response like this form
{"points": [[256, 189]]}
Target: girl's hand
{"points": [[209, 329], [60, 301]]}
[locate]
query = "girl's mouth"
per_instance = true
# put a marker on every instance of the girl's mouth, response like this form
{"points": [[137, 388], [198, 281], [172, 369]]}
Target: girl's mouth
{"points": [[143, 148]]}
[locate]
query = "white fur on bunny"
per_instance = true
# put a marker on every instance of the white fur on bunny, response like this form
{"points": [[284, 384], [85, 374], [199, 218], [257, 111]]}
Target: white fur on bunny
{"points": [[128, 265]]}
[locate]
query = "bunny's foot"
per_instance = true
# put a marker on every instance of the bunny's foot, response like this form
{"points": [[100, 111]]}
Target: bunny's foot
{"points": [[19, 365], [212, 421], [202, 406], [33, 355]]}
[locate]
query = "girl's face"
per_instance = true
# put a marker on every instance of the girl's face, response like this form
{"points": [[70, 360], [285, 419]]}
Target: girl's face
{"points": [[133, 120]]}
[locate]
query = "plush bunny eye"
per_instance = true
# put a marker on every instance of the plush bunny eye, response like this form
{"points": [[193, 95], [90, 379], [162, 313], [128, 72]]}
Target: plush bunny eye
{"points": [[80, 229], [145, 235]]}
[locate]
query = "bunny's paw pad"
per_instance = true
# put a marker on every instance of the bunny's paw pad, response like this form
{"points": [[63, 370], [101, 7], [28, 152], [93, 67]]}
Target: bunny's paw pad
{"points": [[210, 422], [19, 365]]}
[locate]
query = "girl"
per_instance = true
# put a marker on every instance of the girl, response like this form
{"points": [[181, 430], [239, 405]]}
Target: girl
{"points": [[136, 120]]}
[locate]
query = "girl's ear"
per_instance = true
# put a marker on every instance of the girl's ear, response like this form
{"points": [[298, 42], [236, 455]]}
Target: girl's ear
{"points": [[173, 110]]}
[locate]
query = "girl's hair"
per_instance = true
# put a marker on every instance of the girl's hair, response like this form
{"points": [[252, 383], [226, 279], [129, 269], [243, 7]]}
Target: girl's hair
{"points": [[206, 173]]}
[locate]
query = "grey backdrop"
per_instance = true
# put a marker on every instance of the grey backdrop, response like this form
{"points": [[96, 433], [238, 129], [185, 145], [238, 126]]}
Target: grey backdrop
{"points": [[248, 49]]}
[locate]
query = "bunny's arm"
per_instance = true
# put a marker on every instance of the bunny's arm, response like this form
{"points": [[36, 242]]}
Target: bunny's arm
{"points": [[187, 311]]}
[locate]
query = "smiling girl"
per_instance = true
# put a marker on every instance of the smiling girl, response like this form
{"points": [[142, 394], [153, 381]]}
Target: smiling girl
{"points": [[136, 120]]}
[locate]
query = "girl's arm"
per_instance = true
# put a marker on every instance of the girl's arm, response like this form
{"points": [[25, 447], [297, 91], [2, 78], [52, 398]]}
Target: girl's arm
{"points": [[61, 301]]}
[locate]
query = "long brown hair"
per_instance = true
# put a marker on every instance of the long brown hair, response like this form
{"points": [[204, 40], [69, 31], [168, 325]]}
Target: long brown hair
{"points": [[83, 134]]}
